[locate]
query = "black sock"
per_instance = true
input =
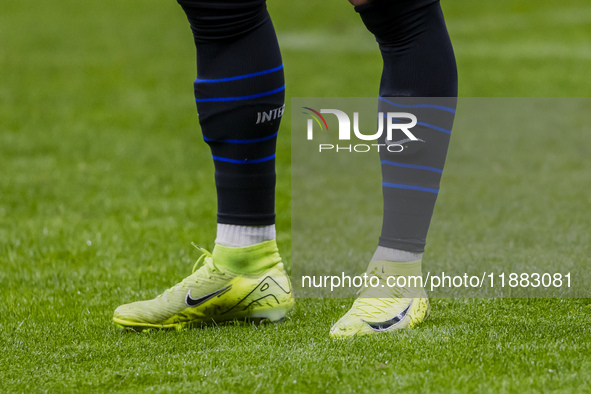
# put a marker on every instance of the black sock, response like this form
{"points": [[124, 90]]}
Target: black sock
{"points": [[419, 77], [239, 92]]}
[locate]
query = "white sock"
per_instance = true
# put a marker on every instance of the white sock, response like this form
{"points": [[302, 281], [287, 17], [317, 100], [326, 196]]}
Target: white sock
{"points": [[388, 254], [235, 236]]}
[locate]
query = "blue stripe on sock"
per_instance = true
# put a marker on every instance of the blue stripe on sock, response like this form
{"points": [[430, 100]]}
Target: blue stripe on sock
{"points": [[417, 167], [441, 107], [218, 158], [239, 98], [409, 187], [255, 74], [243, 141]]}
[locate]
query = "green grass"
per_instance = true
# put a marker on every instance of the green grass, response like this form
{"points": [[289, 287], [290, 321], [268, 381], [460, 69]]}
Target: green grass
{"points": [[105, 181]]}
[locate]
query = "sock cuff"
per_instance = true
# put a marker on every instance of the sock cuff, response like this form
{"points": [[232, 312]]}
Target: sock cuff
{"points": [[413, 268], [390, 254], [250, 260], [237, 236]]}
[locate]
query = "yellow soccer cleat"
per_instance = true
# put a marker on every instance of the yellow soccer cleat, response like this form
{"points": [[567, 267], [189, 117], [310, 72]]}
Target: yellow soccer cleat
{"points": [[386, 308], [248, 283]]}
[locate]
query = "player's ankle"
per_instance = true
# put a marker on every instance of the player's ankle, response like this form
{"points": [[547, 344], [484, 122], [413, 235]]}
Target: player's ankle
{"points": [[401, 280], [383, 253], [247, 260], [396, 262]]}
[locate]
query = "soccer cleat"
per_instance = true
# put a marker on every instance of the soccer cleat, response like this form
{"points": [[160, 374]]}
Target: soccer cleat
{"points": [[216, 292], [385, 308]]}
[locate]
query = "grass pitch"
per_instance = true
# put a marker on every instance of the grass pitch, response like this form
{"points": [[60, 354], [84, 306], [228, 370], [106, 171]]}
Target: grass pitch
{"points": [[105, 181]]}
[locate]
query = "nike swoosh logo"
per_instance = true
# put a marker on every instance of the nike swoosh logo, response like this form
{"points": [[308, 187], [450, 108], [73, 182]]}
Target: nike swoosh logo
{"points": [[385, 325], [198, 301], [409, 146]]}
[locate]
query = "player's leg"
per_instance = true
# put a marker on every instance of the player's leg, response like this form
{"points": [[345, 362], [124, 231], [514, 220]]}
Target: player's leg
{"points": [[239, 93], [418, 62]]}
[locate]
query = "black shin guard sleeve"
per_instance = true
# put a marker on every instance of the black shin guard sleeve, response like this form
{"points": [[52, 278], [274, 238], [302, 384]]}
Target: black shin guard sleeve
{"points": [[239, 93], [418, 62]]}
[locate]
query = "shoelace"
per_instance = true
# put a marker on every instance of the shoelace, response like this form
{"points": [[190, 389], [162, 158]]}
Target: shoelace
{"points": [[206, 257]]}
